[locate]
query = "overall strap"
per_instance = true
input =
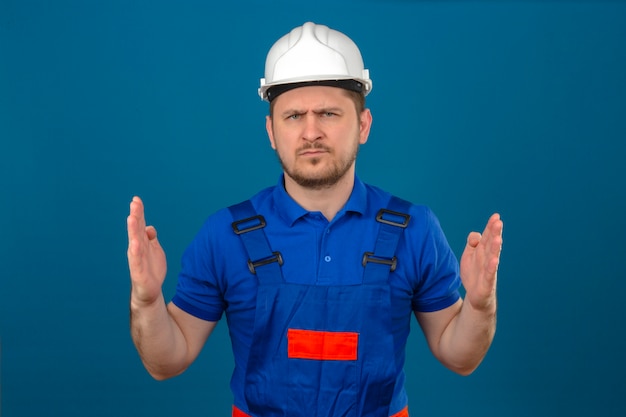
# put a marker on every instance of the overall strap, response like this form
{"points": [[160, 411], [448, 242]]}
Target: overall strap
{"points": [[393, 220], [248, 225]]}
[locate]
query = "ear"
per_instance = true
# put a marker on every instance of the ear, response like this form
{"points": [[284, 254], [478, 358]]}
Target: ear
{"points": [[364, 125], [270, 131]]}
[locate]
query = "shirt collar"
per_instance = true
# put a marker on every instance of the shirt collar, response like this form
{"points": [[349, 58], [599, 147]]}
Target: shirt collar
{"points": [[291, 211]]}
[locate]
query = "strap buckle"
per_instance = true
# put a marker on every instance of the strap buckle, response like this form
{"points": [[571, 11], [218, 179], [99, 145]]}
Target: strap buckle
{"points": [[404, 218], [369, 257], [260, 223], [276, 258]]}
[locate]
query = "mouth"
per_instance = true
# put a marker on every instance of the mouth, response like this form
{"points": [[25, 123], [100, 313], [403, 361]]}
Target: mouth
{"points": [[313, 151]]}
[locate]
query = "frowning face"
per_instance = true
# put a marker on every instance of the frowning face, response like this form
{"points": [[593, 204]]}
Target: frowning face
{"points": [[316, 133]]}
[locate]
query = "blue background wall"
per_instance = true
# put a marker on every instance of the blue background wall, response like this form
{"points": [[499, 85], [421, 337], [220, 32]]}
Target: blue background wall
{"points": [[516, 107]]}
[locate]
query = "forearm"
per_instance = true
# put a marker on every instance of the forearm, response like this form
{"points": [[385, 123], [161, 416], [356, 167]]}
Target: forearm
{"points": [[158, 339], [467, 338]]}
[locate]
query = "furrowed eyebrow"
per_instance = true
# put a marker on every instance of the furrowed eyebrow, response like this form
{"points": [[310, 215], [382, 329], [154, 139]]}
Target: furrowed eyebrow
{"points": [[291, 112], [336, 110]]}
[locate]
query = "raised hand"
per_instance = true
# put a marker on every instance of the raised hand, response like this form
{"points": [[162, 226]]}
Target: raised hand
{"points": [[479, 264], [146, 258]]}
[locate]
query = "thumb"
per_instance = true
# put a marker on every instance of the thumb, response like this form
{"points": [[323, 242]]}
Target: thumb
{"points": [[151, 233], [473, 239]]}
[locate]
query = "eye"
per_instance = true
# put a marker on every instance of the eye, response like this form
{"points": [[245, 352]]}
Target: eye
{"points": [[294, 116], [329, 114]]}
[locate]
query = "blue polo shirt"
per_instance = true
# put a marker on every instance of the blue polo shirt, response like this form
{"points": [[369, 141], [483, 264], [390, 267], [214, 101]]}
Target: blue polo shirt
{"points": [[215, 278]]}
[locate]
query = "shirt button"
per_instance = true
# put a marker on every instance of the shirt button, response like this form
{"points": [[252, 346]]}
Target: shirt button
{"points": [[327, 258]]}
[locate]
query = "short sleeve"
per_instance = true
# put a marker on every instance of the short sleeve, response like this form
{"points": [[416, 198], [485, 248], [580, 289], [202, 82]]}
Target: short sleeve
{"points": [[438, 268], [197, 290]]}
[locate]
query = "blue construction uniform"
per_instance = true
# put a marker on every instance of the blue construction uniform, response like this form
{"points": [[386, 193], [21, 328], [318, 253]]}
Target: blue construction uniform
{"points": [[319, 335]]}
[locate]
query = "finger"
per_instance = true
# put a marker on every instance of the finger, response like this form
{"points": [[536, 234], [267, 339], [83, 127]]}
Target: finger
{"points": [[137, 214], [493, 229], [137, 211], [494, 244], [473, 239], [492, 267], [151, 233], [136, 225], [492, 225], [495, 226]]}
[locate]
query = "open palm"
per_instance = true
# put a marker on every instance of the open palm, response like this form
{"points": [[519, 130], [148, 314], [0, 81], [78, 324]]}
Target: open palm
{"points": [[479, 264], [146, 258]]}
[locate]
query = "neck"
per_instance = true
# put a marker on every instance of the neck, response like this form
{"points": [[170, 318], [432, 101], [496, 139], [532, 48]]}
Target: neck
{"points": [[328, 200]]}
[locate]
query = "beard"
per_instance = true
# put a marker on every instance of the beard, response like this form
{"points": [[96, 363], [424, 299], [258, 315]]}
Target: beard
{"points": [[326, 178]]}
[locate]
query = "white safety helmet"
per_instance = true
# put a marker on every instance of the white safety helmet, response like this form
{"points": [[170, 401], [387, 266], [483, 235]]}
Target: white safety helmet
{"points": [[313, 55]]}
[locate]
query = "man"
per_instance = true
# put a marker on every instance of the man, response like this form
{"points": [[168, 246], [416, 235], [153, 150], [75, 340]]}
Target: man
{"points": [[318, 276]]}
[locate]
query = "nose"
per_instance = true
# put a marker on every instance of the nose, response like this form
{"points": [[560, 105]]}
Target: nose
{"points": [[311, 130]]}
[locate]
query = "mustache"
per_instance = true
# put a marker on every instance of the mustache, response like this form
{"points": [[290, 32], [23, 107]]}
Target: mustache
{"points": [[316, 146]]}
